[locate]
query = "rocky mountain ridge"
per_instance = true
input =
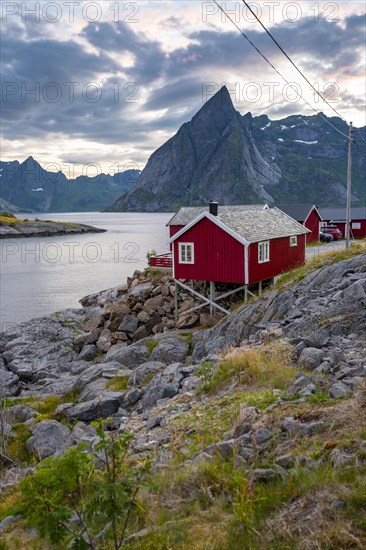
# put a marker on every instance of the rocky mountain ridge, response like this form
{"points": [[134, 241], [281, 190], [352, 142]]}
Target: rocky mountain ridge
{"points": [[29, 187], [195, 399], [234, 159]]}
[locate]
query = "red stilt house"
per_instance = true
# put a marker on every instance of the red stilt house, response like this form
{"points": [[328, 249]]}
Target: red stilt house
{"points": [[235, 244]]}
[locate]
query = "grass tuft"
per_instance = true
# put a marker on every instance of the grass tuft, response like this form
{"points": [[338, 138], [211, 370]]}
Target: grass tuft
{"points": [[268, 366], [117, 383]]}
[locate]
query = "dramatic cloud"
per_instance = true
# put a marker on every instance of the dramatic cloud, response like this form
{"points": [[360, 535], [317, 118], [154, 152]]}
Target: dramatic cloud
{"points": [[115, 89]]}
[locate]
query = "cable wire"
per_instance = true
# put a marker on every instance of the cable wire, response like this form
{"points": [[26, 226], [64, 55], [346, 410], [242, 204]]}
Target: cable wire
{"points": [[291, 61], [276, 70]]}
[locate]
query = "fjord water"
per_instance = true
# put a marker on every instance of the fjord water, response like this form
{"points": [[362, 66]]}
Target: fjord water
{"points": [[43, 275]]}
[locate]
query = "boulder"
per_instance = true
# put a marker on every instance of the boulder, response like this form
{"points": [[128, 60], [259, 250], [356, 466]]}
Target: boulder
{"points": [[141, 291], [88, 338], [311, 358], [153, 304], [144, 371], [339, 390], [104, 407], [10, 383], [143, 317], [262, 475], [153, 422], [105, 340], [88, 353], [94, 323], [354, 292], [21, 413], [170, 350], [187, 320], [48, 437], [154, 394], [88, 375], [129, 324], [131, 356]]}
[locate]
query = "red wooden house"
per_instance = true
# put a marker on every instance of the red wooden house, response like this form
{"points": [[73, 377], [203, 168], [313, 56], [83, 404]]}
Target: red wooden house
{"points": [[235, 244], [337, 216], [306, 214]]}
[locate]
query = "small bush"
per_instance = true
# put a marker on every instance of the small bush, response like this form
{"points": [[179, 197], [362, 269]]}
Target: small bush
{"points": [[102, 498]]}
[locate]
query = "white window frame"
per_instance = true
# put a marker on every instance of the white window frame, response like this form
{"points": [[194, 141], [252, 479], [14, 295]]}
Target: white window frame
{"points": [[263, 252], [356, 225], [293, 240], [183, 253]]}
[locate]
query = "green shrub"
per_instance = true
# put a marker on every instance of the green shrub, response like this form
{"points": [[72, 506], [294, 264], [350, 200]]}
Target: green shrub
{"points": [[102, 498]]}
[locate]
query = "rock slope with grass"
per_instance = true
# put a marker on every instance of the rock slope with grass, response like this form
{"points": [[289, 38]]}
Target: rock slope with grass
{"points": [[254, 428]]}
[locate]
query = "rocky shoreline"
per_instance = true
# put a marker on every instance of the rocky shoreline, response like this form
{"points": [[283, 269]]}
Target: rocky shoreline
{"points": [[27, 229], [123, 357]]}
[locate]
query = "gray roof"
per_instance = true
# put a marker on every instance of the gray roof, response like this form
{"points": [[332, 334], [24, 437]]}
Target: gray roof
{"points": [[339, 214], [297, 211], [251, 222]]}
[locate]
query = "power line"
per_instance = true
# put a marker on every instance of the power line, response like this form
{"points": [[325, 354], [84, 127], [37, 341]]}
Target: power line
{"points": [[276, 70], [290, 60]]}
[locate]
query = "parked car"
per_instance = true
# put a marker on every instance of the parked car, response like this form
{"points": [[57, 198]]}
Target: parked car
{"points": [[325, 237], [332, 230]]}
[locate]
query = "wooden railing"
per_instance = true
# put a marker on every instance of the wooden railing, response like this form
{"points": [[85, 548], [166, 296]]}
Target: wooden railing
{"points": [[162, 260]]}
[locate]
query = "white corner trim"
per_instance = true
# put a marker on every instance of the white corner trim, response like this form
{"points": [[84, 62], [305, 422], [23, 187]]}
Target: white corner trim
{"points": [[246, 264]]}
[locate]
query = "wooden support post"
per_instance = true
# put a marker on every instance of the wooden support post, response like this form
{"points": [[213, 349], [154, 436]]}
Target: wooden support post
{"points": [[212, 296], [246, 293], [260, 288], [176, 301]]}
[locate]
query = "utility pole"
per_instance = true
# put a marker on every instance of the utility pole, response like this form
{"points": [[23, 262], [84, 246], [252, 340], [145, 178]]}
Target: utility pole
{"points": [[349, 173]]}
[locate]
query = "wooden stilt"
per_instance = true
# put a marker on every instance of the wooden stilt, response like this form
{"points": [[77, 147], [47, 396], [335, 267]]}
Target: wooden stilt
{"points": [[260, 288], [176, 301], [212, 296], [246, 293]]}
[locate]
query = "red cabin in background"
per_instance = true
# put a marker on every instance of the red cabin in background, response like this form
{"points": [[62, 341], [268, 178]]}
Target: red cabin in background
{"points": [[306, 214], [235, 244], [337, 217]]}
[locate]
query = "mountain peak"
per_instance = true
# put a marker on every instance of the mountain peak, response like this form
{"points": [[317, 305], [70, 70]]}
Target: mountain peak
{"points": [[30, 161], [221, 99]]}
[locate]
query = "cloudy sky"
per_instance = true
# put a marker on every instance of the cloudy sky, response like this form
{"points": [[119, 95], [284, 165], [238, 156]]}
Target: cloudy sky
{"points": [[107, 82]]}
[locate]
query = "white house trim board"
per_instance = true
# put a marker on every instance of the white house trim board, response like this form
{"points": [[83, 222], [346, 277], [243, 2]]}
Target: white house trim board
{"points": [[316, 210], [246, 264], [213, 219]]}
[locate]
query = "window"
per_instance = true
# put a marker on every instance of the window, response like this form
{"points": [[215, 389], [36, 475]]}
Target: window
{"points": [[263, 252], [186, 253], [293, 240], [356, 225]]}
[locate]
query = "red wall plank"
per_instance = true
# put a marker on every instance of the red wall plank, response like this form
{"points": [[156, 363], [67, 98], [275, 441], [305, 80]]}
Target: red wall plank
{"points": [[283, 257], [312, 223], [218, 256]]}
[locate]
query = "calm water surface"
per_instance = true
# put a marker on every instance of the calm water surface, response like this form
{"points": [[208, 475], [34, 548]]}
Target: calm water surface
{"points": [[42, 275]]}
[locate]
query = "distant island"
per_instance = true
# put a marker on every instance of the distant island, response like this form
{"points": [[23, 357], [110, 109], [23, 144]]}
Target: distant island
{"points": [[12, 227]]}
